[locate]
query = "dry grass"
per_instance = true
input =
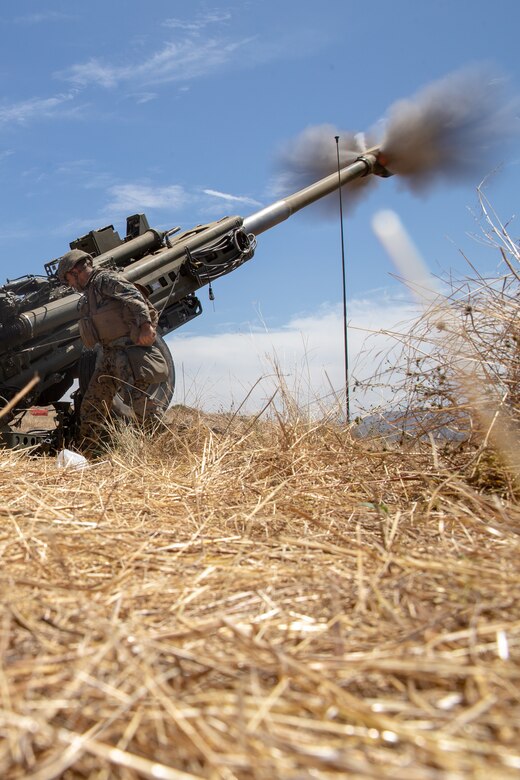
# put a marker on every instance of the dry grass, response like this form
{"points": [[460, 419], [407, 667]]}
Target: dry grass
{"points": [[240, 598], [257, 600]]}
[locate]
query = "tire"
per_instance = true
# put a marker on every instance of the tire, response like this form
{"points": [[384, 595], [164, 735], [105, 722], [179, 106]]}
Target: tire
{"points": [[161, 393]]}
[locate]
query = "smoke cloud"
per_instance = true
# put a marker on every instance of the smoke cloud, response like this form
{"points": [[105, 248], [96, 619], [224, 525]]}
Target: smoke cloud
{"points": [[453, 129], [313, 155]]}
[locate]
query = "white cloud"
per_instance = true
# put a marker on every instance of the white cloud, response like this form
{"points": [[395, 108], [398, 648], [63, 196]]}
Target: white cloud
{"points": [[225, 370], [199, 23], [196, 47], [44, 16], [25, 110], [144, 97], [176, 61], [135, 197]]}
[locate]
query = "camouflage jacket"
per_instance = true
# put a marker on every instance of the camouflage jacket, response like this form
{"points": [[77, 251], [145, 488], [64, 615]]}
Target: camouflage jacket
{"points": [[112, 308]]}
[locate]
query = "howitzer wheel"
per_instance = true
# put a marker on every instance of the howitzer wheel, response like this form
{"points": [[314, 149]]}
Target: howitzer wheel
{"points": [[161, 393]]}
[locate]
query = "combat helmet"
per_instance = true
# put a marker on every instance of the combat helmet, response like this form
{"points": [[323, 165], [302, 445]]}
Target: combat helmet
{"points": [[68, 261]]}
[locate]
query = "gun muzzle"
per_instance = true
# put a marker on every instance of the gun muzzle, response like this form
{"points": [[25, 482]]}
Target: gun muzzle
{"points": [[272, 215]]}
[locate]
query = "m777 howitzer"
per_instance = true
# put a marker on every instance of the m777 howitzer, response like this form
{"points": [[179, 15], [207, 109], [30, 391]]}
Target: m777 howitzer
{"points": [[39, 332]]}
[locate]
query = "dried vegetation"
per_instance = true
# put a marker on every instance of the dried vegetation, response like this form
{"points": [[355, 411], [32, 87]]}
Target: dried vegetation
{"points": [[273, 598]]}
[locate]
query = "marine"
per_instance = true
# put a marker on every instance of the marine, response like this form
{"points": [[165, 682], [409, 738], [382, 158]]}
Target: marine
{"points": [[116, 315]]}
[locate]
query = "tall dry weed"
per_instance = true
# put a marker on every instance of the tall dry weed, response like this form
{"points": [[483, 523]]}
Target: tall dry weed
{"points": [[457, 381]]}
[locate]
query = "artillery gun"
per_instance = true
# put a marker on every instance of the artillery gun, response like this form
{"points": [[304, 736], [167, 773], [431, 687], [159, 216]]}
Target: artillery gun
{"points": [[40, 345]]}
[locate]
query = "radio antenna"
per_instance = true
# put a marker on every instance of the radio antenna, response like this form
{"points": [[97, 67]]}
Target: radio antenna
{"points": [[344, 280]]}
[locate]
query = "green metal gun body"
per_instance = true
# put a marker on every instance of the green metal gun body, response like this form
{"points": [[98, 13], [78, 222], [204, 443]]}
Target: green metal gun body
{"points": [[39, 332]]}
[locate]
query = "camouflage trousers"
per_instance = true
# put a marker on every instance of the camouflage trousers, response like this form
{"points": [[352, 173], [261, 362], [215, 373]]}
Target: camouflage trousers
{"points": [[113, 373]]}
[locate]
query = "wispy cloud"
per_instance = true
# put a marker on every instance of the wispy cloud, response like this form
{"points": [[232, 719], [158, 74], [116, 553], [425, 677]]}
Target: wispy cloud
{"points": [[43, 16], [144, 97], [25, 110], [176, 61], [199, 23], [232, 198], [135, 197], [196, 47]]}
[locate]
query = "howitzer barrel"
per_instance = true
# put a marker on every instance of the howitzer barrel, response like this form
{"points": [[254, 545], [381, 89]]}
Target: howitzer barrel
{"points": [[272, 215]]}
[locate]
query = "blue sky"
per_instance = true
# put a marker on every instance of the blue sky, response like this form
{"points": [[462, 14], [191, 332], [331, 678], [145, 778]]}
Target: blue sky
{"points": [[180, 109]]}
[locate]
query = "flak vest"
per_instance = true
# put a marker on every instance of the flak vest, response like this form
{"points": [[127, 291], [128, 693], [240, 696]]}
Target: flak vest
{"points": [[109, 322], [104, 320]]}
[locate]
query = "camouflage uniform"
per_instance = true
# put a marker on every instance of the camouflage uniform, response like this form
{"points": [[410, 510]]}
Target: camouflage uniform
{"points": [[111, 314]]}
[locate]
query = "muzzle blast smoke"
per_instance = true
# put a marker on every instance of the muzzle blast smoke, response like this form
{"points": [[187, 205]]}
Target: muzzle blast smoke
{"points": [[453, 129]]}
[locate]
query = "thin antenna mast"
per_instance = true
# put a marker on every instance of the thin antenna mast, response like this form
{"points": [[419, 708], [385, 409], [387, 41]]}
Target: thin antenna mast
{"points": [[344, 278]]}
